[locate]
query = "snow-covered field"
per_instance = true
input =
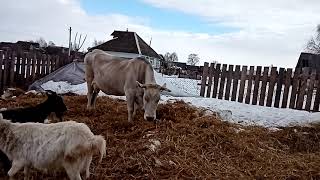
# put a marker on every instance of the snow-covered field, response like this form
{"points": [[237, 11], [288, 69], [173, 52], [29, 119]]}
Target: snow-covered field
{"points": [[230, 111]]}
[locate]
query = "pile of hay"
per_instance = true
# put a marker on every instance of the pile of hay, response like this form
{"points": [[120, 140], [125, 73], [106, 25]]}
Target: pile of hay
{"points": [[188, 144]]}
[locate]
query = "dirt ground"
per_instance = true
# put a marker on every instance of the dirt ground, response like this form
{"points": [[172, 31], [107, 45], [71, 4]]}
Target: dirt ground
{"points": [[186, 144]]}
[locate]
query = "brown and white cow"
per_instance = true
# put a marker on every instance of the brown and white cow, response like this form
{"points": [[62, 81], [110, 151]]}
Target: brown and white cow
{"points": [[133, 78]]}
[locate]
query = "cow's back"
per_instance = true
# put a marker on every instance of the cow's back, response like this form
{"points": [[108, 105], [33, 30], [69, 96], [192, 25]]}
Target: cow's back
{"points": [[113, 74]]}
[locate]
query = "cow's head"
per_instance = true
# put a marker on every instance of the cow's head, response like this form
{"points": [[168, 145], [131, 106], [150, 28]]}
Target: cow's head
{"points": [[55, 103], [151, 97]]}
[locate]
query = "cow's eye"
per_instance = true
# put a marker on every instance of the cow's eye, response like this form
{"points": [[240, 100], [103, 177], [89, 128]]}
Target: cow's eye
{"points": [[146, 99]]}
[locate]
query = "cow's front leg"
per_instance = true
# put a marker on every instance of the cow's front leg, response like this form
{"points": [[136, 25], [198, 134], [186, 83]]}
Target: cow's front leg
{"points": [[130, 105], [95, 93], [89, 94]]}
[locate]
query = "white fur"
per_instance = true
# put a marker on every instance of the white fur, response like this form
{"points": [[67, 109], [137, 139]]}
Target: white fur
{"points": [[69, 145]]}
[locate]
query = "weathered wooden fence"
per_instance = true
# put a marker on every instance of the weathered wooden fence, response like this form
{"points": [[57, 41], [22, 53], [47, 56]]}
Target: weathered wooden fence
{"points": [[20, 69], [264, 86]]}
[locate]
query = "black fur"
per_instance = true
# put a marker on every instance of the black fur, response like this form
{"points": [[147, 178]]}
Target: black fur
{"points": [[38, 113]]}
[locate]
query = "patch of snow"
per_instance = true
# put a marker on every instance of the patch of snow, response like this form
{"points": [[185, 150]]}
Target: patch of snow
{"points": [[231, 111], [251, 114]]}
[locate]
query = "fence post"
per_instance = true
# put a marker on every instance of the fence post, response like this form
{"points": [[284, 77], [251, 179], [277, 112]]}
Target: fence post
{"points": [[295, 84], [228, 85], [222, 81], [302, 87], [1, 71], [287, 85], [204, 79], [210, 80], [310, 89], [249, 87], [242, 83], [11, 71], [279, 87], [216, 80], [235, 82], [256, 85], [317, 98], [272, 82]]}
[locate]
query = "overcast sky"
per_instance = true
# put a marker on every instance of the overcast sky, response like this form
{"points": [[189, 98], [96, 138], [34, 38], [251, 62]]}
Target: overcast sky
{"points": [[246, 32]]}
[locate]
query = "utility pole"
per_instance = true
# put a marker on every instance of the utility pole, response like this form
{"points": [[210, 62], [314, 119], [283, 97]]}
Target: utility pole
{"points": [[69, 41]]}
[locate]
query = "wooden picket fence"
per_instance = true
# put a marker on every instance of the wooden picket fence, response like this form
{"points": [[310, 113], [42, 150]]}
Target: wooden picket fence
{"points": [[267, 86], [20, 69]]}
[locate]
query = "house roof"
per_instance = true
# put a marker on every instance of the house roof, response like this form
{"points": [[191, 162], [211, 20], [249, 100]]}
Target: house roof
{"points": [[127, 42], [308, 60]]}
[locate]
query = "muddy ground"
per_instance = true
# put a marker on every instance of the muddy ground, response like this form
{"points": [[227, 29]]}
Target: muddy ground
{"points": [[187, 144]]}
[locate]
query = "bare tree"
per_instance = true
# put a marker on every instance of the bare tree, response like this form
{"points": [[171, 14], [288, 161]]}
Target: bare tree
{"points": [[313, 45], [77, 45], [174, 57], [170, 57], [51, 43], [193, 59], [96, 42], [42, 42]]}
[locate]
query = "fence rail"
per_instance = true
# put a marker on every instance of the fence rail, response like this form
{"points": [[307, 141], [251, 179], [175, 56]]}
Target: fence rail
{"points": [[20, 69], [264, 86]]}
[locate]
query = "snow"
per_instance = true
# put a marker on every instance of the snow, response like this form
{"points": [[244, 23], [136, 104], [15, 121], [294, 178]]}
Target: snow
{"points": [[228, 110]]}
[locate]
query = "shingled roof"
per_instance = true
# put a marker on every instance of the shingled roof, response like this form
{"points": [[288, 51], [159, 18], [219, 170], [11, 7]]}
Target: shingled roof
{"points": [[128, 42]]}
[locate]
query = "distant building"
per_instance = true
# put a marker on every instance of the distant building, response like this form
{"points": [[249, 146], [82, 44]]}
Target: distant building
{"points": [[309, 60], [19, 46], [129, 45]]}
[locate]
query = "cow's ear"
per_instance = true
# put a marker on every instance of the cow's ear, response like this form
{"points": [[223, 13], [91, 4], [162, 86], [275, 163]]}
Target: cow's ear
{"points": [[164, 88], [140, 85]]}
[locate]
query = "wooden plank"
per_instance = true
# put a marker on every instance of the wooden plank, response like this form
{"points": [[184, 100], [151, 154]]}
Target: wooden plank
{"points": [[236, 77], [280, 82], [17, 65], [287, 85], [1, 70], [310, 88], [38, 60], [295, 84], [272, 82], [317, 98], [302, 87], [216, 80], [228, 85], [249, 87], [48, 60], [222, 81], [23, 65], [256, 85], [11, 71], [28, 67], [43, 64], [263, 86], [211, 71], [242, 83], [34, 66], [204, 79], [6, 68]]}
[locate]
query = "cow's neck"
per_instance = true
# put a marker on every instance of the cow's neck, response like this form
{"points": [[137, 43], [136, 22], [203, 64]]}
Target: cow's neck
{"points": [[149, 76]]}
